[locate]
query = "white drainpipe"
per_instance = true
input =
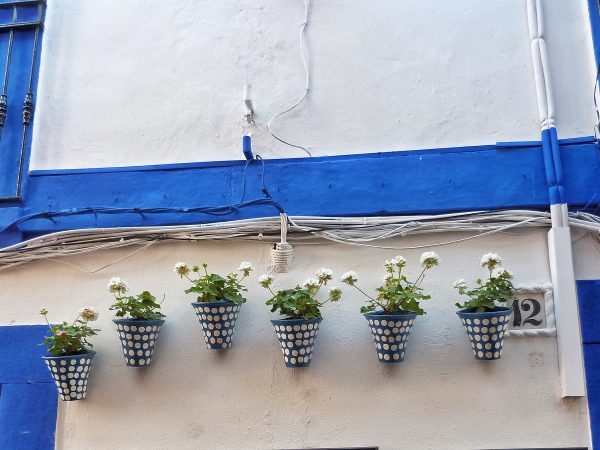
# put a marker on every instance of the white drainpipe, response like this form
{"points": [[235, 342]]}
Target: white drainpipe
{"points": [[570, 355]]}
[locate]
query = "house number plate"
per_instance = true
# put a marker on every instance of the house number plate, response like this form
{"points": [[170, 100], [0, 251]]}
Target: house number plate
{"points": [[529, 311]]}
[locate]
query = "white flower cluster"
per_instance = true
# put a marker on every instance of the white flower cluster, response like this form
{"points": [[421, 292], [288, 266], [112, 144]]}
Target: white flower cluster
{"points": [[117, 286], [324, 275], [499, 272], [461, 285], [399, 261], [311, 283], [246, 268], [265, 280], [491, 260], [335, 293], [350, 277], [89, 314], [430, 259], [181, 268]]}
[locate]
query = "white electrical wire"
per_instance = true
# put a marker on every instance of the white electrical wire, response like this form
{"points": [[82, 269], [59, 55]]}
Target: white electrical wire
{"points": [[306, 88], [362, 231]]}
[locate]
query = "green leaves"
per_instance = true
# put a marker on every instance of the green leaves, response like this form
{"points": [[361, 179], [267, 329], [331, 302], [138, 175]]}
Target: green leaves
{"points": [[498, 288], [212, 287], [397, 292], [68, 339], [142, 307], [300, 302], [296, 303]]}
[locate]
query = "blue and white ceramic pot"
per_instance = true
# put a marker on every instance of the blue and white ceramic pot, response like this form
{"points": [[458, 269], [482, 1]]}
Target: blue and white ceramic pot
{"points": [[390, 332], [138, 338], [297, 339], [218, 321], [486, 331], [70, 374]]}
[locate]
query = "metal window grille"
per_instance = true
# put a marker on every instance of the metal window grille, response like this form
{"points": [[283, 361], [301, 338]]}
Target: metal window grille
{"points": [[21, 27]]}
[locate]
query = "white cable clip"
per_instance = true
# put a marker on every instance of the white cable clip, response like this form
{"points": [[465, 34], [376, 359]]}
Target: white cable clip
{"points": [[282, 253]]}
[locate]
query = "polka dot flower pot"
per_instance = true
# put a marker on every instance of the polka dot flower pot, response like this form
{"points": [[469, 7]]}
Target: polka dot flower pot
{"points": [[70, 374], [390, 332], [486, 331], [297, 338], [218, 321], [138, 338]]}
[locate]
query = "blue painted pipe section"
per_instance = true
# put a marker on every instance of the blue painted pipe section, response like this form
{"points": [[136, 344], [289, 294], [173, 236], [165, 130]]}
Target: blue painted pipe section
{"points": [[558, 173], [548, 163], [594, 12], [247, 147], [553, 166]]}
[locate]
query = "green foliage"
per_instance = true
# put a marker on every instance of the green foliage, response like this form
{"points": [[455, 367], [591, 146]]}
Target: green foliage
{"points": [[212, 287], [498, 288], [398, 293], [300, 302], [296, 303], [68, 339], [142, 306]]}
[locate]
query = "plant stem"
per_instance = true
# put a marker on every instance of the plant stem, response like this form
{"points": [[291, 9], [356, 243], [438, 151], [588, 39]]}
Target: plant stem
{"points": [[364, 293], [420, 277]]}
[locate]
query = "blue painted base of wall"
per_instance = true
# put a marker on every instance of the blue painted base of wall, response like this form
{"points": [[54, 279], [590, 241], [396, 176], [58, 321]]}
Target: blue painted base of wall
{"points": [[589, 311], [28, 396]]}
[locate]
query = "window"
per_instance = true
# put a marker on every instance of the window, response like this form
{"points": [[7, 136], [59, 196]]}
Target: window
{"points": [[21, 26]]}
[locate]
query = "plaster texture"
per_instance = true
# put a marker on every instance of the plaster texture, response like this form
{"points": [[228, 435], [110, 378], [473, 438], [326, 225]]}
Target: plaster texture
{"points": [[190, 397], [153, 82]]}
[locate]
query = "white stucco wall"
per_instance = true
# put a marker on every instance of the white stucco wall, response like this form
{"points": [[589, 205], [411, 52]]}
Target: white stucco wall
{"points": [[151, 82], [190, 397]]}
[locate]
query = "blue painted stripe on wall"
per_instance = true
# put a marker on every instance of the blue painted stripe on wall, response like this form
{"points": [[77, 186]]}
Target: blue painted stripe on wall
{"points": [[588, 293], [399, 183], [28, 397], [20, 354], [589, 301], [28, 416], [595, 25]]}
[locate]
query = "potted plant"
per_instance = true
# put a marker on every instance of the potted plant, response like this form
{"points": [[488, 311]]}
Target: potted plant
{"points": [[484, 317], [218, 301], [298, 330], [140, 325], [398, 300], [70, 358]]}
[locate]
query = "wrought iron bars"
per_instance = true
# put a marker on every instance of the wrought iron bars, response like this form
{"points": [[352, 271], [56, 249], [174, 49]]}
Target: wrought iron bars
{"points": [[28, 102]]}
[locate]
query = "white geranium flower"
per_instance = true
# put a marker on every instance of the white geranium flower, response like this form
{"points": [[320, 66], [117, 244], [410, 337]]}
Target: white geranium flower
{"points": [[335, 293], [265, 280], [117, 286], [311, 283], [399, 261], [429, 259], [459, 283], [501, 272], [181, 268], [491, 260], [246, 268], [350, 277], [387, 278], [324, 274], [89, 314]]}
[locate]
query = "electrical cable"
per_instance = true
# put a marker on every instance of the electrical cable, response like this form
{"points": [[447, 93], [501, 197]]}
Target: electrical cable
{"points": [[361, 231], [306, 89]]}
